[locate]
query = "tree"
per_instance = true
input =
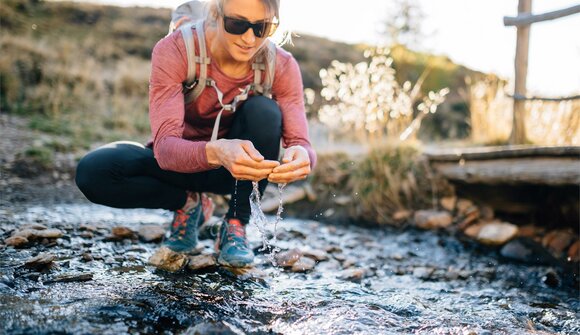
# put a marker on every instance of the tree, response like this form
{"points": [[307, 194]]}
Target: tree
{"points": [[402, 24]]}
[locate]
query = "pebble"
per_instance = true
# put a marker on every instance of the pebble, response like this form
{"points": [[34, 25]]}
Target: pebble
{"points": [[448, 203], [497, 233], [430, 219], [472, 215], [168, 260], [551, 279], [69, 278], [40, 262], [32, 234], [402, 215], [201, 262], [304, 264], [423, 272], [526, 250], [487, 213], [151, 233], [87, 257], [288, 258], [16, 241], [121, 232], [355, 274], [33, 226], [463, 205], [316, 254], [574, 252], [557, 241]]}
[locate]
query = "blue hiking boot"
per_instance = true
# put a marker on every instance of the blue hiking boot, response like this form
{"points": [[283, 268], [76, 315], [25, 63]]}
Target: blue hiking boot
{"points": [[232, 245], [183, 232]]}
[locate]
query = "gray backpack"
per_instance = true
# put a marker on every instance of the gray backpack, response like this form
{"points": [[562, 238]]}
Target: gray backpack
{"points": [[191, 15]]}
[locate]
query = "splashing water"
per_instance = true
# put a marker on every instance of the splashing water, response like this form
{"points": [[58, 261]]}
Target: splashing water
{"points": [[258, 218]]}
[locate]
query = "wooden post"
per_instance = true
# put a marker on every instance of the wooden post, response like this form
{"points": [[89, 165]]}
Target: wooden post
{"points": [[518, 135]]}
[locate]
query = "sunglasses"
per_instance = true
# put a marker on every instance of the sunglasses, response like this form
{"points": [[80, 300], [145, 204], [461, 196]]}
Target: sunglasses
{"points": [[239, 27]]}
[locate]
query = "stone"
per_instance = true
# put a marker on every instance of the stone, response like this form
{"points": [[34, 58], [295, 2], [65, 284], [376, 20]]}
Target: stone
{"points": [[32, 234], [151, 233], [473, 230], [121, 232], [69, 278], [200, 262], [331, 249], [316, 254], [497, 233], [343, 200], [354, 274], [304, 264], [486, 213], [471, 215], [557, 241], [448, 203], [463, 205], [524, 249], [87, 257], [168, 260], [349, 262], [429, 219], [288, 258], [530, 231], [423, 272], [33, 226], [401, 215], [16, 241], [41, 261], [574, 252]]}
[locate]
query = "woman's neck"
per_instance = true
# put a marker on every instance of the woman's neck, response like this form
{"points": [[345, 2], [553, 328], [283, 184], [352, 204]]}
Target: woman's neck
{"points": [[227, 65]]}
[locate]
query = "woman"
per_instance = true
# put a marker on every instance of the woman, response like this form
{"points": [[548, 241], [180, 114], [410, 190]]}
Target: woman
{"points": [[181, 160]]}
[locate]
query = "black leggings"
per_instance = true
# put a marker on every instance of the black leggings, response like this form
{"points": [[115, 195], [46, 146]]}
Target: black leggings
{"points": [[126, 174]]}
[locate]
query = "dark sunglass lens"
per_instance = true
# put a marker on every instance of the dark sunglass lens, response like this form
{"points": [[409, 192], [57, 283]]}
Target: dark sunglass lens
{"points": [[261, 29], [236, 27]]}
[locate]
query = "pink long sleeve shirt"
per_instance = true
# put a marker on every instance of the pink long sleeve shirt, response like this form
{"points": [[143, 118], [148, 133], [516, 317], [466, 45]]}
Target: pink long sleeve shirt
{"points": [[180, 132]]}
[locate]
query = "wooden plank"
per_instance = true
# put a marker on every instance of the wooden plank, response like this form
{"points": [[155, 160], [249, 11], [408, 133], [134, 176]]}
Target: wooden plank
{"points": [[545, 171], [526, 19], [518, 135], [498, 152]]}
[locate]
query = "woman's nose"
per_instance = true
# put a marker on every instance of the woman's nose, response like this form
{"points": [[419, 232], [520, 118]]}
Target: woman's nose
{"points": [[248, 37]]}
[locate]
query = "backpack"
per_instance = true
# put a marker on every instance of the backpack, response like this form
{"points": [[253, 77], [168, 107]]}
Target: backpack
{"points": [[192, 15]]}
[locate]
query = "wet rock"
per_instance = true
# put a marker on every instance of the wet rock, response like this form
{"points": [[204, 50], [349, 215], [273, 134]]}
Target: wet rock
{"points": [[574, 252], [168, 260], [448, 203], [69, 278], [16, 241], [121, 233], [526, 250], [316, 254], [200, 262], [497, 233], [343, 200], [349, 262], [529, 231], [33, 226], [32, 234], [551, 279], [87, 257], [218, 328], [304, 264], [87, 234], [429, 219], [40, 262], [288, 258], [463, 205], [471, 215], [402, 215], [423, 273], [151, 233], [339, 257], [557, 241], [355, 274], [473, 230]]}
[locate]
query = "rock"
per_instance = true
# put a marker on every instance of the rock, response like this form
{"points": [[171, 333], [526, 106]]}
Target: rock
{"points": [[429, 219], [211, 328], [473, 230], [551, 279], [288, 258], [151, 233], [401, 215], [40, 262], [349, 262], [168, 260], [355, 274], [304, 264], [32, 234], [471, 215], [87, 257], [16, 241], [497, 233], [529, 231], [69, 278], [423, 272], [88, 227], [33, 226], [463, 205], [201, 262], [316, 254], [331, 249], [121, 232], [343, 200], [557, 241], [524, 249], [486, 213], [574, 252], [448, 203], [87, 234]]}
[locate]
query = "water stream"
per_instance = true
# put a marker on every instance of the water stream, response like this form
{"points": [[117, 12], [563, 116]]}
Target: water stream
{"points": [[411, 282]]}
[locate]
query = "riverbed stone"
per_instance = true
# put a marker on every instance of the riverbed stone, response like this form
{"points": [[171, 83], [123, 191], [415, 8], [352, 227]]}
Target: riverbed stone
{"points": [[497, 233], [304, 264], [463, 205], [200, 262], [41, 261], [151, 233], [486, 213], [316, 254], [402, 215], [557, 241], [121, 232], [168, 260], [525, 249], [16, 241], [430, 219], [574, 252], [288, 258], [448, 203], [354, 274], [471, 215], [423, 272], [32, 234], [34, 226]]}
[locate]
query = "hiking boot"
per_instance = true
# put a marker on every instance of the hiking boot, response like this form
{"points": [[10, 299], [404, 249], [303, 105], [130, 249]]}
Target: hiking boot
{"points": [[232, 245], [183, 232], [210, 229]]}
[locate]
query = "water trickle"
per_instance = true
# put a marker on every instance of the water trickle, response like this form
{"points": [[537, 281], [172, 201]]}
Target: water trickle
{"points": [[236, 198]]}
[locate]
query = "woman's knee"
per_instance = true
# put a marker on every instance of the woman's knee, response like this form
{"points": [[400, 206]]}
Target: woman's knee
{"points": [[263, 118]]}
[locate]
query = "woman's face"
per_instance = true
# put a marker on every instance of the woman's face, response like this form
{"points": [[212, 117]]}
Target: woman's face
{"points": [[241, 48]]}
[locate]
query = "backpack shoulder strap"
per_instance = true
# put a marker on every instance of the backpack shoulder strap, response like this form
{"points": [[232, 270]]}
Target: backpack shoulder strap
{"points": [[187, 35], [265, 88], [191, 89], [203, 61]]}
